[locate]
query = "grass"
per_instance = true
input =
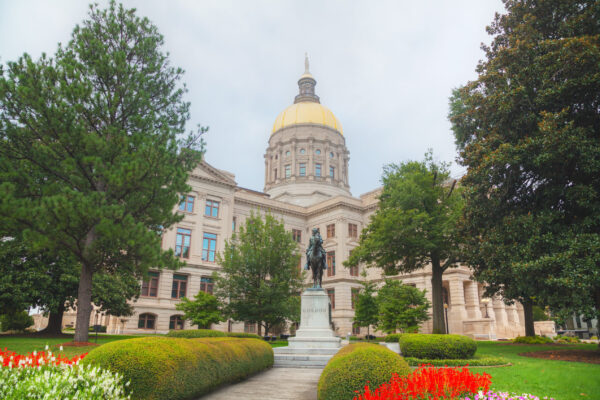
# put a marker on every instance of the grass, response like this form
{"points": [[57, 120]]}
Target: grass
{"points": [[561, 380]]}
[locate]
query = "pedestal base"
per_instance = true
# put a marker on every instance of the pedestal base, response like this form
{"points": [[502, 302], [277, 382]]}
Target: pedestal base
{"points": [[314, 343]]}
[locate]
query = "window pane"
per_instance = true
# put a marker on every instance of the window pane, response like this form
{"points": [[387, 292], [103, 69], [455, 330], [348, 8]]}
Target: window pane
{"points": [[150, 322], [184, 231]]}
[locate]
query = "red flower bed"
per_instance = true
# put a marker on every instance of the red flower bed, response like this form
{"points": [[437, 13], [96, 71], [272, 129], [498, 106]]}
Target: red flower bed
{"points": [[11, 359], [428, 382]]}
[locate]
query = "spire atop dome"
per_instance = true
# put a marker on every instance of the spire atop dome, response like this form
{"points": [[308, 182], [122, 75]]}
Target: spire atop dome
{"points": [[307, 84]]}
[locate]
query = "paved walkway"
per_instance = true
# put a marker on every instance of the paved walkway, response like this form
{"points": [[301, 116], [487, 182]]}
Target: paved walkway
{"points": [[274, 384]]}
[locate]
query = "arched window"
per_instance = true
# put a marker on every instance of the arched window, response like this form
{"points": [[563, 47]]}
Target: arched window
{"points": [[147, 321], [176, 322]]}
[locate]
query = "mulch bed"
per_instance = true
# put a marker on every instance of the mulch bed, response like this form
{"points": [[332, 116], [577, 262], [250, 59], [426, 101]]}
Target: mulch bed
{"points": [[76, 344], [576, 355]]}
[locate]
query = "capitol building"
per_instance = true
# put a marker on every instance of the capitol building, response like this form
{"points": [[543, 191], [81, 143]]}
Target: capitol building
{"points": [[306, 186]]}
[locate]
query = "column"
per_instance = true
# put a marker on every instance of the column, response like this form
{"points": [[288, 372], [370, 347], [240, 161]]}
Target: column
{"points": [[457, 311], [501, 316], [472, 300]]}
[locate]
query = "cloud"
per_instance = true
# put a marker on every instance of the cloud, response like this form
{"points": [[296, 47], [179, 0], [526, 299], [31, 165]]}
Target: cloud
{"points": [[385, 68]]}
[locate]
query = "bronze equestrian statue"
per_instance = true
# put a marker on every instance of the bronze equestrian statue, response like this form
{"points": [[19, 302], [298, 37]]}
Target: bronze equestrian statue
{"points": [[315, 258]]}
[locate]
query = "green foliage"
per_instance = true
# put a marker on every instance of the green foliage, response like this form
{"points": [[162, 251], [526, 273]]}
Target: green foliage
{"points": [[429, 346], [539, 314], [172, 368], [476, 361], [566, 339], [195, 333], [401, 307], [393, 338], [355, 365], [527, 131], [203, 311], [365, 306], [532, 340], [92, 160], [259, 280], [15, 321], [243, 335], [414, 226]]}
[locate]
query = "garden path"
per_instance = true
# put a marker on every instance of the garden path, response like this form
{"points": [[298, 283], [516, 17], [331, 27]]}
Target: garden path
{"points": [[274, 384]]}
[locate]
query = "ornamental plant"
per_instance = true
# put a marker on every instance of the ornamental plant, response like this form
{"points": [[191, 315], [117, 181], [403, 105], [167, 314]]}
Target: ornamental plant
{"points": [[504, 396], [11, 359], [428, 382]]}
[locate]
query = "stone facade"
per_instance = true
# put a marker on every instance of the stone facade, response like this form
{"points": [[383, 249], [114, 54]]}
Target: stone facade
{"points": [[306, 185]]}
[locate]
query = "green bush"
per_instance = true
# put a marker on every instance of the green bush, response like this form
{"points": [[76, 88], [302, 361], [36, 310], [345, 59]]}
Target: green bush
{"points": [[18, 321], [243, 335], [566, 339], [355, 365], [532, 340], [174, 368], [437, 347], [393, 338], [195, 333], [481, 361]]}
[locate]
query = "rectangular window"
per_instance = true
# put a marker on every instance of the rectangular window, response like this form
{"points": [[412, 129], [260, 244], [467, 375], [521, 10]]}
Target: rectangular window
{"points": [[353, 270], [355, 329], [206, 284], [209, 247], [332, 172], [182, 243], [212, 208], [187, 203], [331, 263], [297, 235], [352, 231], [275, 174], [302, 169], [317, 169], [249, 328], [233, 224], [176, 322], [354, 295], [288, 171], [330, 231], [331, 294], [179, 286], [150, 287]]}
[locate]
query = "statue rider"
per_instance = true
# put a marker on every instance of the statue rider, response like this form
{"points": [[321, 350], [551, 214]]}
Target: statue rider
{"points": [[315, 240]]}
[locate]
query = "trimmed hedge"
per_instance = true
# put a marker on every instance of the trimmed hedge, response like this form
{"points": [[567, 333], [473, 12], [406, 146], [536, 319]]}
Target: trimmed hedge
{"points": [[477, 361], [195, 333], [393, 338], [173, 368], [243, 335], [532, 340], [355, 365], [437, 347]]}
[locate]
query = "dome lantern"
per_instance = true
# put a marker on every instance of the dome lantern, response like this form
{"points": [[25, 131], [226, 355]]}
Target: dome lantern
{"points": [[306, 84]]}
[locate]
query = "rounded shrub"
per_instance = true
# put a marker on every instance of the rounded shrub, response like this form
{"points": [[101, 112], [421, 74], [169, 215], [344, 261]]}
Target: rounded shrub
{"points": [[532, 340], [355, 365], [195, 333], [437, 347], [178, 368], [393, 338]]}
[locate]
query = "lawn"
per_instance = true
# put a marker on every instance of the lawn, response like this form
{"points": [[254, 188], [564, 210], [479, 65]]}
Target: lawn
{"points": [[561, 380]]}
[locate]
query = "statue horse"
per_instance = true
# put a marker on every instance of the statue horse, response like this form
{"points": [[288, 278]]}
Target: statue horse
{"points": [[315, 260]]}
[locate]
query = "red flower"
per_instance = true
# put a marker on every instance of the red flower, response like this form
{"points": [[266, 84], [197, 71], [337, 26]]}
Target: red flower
{"points": [[11, 359]]}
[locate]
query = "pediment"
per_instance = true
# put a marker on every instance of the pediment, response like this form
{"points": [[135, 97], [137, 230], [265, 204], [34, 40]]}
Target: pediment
{"points": [[205, 171]]}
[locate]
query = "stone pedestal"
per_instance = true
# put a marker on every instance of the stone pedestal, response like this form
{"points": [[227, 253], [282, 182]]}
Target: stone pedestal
{"points": [[314, 343]]}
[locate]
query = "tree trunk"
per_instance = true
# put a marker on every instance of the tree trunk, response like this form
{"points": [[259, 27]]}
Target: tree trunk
{"points": [[528, 311], [84, 304], [437, 297], [259, 329], [55, 321]]}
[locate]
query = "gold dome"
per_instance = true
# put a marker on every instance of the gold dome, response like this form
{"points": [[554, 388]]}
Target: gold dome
{"points": [[307, 113]]}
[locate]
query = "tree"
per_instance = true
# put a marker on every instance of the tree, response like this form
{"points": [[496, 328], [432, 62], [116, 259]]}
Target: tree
{"points": [[528, 132], [259, 278], [92, 162], [401, 307], [414, 226], [38, 279], [365, 306], [203, 311]]}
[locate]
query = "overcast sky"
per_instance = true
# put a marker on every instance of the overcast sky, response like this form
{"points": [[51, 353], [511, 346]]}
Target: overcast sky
{"points": [[385, 68]]}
